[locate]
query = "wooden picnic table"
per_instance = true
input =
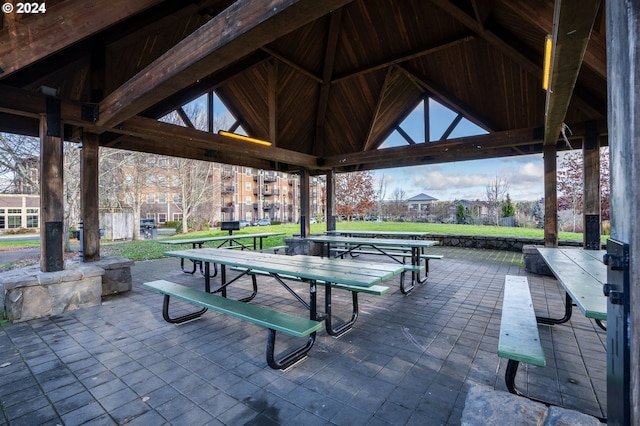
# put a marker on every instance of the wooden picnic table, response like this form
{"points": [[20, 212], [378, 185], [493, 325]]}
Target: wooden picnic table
{"points": [[233, 241], [383, 246], [347, 274], [582, 274]]}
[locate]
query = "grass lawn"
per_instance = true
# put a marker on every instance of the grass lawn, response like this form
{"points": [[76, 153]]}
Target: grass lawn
{"points": [[151, 249]]}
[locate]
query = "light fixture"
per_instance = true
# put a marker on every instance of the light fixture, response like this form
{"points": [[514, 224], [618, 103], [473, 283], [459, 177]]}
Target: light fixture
{"points": [[48, 91], [244, 138], [546, 74]]}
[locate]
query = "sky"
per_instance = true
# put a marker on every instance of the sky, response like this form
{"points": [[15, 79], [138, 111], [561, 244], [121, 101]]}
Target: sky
{"points": [[451, 181], [462, 179]]}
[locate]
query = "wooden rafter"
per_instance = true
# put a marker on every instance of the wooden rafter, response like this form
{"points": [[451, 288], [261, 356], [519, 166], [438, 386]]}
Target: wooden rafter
{"points": [[368, 144], [61, 26], [292, 64], [437, 47], [573, 22], [239, 30], [327, 72]]}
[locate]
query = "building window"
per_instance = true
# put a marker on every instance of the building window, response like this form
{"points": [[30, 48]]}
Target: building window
{"points": [[150, 181], [162, 180], [33, 218], [162, 162], [14, 222], [176, 198], [248, 200], [162, 217], [162, 198], [177, 216], [151, 198], [248, 186]]}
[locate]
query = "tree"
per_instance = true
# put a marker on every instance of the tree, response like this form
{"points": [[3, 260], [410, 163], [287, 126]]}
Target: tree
{"points": [[355, 193], [508, 209], [460, 213], [496, 191], [18, 156], [571, 184], [397, 206]]}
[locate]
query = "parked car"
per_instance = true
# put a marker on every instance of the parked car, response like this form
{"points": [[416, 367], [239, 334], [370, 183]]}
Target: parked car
{"points": [[262, 222], [244, 223]]}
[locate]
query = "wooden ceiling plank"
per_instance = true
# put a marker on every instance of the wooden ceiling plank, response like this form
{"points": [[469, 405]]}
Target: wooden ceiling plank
{"points": [[540, 15], [61, 26], [239, 30], [573, 22], [368, 143]]}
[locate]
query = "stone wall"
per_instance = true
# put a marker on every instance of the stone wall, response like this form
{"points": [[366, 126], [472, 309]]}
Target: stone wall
{"points": [[493, 242], [28, 293]]}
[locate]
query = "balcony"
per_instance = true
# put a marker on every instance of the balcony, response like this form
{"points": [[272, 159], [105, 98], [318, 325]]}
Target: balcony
{"points": [[270, 178], [228, 189]]}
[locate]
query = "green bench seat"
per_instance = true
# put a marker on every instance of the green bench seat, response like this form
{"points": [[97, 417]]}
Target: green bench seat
{"points": [[519, 338], [273, 320]]}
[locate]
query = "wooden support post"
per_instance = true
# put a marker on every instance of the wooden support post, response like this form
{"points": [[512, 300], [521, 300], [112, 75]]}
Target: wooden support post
{"points": [[89, 198], [623, 282], [591, 197], [550, 197], [331, 200], [304, 203], [51, 191]]}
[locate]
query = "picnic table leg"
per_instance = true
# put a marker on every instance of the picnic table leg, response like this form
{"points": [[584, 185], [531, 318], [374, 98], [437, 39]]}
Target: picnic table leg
{"points": [[337, 331], [568, 307], [194, 263], [180, 319], [403, 289], [416, 262], [290, 357]]}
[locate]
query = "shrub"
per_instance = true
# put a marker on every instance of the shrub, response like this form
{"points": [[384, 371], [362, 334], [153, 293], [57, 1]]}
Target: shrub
{"points": [[172, 224]]}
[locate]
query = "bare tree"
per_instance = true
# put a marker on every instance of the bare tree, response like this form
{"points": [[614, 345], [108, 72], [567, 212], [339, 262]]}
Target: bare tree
{"points": [[496, 191], [381, 193], [18, 156], [397, 206]]}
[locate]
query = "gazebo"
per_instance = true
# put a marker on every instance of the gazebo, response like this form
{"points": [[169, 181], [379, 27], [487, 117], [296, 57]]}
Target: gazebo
{"points": [[324, 83]]}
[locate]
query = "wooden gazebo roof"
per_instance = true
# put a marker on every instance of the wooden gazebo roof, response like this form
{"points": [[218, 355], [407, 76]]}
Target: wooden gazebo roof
{"points": [[325, 81]]}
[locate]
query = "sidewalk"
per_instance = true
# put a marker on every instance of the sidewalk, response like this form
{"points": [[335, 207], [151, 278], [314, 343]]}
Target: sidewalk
{"points": [[409, 360]]}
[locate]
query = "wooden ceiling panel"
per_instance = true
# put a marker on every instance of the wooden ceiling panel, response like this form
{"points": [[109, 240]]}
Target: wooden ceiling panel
{"points": [[296, 110]]}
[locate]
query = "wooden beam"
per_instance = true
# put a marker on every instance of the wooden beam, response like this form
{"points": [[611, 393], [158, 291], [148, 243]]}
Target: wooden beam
{"points": [[30, 104], [89, 198], [51, 199], [62, 25], [480, 147], [150, 129], [550, 196], [236, 32], [573, 22], [292, 64]]}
